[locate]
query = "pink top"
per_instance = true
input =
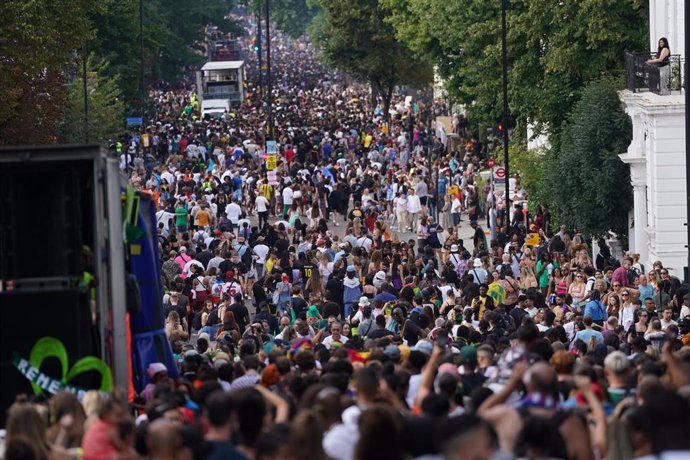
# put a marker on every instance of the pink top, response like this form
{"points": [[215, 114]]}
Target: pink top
{"points": [[96, 444]]}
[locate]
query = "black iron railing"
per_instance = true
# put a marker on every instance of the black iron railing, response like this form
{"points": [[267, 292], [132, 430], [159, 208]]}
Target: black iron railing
{"points": [[641, 77]]}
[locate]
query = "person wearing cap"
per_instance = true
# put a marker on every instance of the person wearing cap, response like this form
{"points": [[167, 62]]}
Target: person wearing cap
{"points": [[478, 271], [362, 303], [366, 324], [281, 294], [379, 279], [352, 290], [182, 258], [454, 256]]}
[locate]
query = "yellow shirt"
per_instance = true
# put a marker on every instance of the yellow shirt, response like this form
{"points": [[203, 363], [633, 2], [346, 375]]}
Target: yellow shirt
{"points": [[269, 265], [267, 190]]}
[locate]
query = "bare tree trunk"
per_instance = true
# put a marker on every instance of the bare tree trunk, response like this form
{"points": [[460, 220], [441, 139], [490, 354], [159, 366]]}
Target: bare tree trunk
{"points": [[387, 103]]}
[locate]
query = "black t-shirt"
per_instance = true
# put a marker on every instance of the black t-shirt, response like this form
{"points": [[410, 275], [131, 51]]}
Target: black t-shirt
{"points": [[204, 257], [330, 309], [225, 266], [241, 314], [307, 269], [299, 305], [281, 246], [335, 289], [380, 333], [179, 308], [517, 314], [221, 450], [472, 381], [412, 331]]}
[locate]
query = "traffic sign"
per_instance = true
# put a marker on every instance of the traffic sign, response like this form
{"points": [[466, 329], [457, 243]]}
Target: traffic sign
{"points": [[500, 173], [491, 162]]}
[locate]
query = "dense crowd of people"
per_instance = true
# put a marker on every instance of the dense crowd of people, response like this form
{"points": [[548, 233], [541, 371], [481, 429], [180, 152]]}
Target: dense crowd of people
{"points": [[305, 323]]}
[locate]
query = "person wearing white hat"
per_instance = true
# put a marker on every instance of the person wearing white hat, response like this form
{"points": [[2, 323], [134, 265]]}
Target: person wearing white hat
{"points": [[454, 256], [363, 303], [478, 272], [379, 279]]}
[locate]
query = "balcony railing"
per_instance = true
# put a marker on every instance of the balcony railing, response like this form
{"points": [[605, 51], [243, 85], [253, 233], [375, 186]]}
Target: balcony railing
{"points": [[641, 77]]}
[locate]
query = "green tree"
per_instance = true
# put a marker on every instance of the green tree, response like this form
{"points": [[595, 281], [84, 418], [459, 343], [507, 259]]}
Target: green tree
{"points": [[293, 16], [554, 50], [174, 33], [588, 184], [105, 104], [38, 40], [354, 37], [530, 166]]}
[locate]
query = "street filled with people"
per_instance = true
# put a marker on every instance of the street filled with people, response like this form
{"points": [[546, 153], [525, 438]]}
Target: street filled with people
{"points": [[372, 296]]}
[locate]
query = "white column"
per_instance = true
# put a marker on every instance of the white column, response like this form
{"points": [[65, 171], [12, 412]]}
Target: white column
{"points": [[640, 213]]}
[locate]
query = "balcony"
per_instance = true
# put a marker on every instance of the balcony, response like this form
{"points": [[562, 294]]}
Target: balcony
{"points": [[641, 77]]}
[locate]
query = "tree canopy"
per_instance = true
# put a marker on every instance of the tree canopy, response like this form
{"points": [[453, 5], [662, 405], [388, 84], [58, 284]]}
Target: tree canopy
{"points": [[41, 42], [554, 50], [588, 185], [355, 37], [293, 16]]}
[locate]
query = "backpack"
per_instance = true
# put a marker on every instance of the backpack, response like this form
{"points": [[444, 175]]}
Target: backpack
{"points": [[196, 321], [212, 318], [246, 258]]}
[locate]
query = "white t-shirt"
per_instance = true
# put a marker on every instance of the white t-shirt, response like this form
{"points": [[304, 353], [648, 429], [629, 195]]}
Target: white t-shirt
{"points": [[287, 196], [231, 289], [261, 251], [400, 204], [328, 341], [456, 207], [233, 211], [445, 290], [413, 204], [164, 216], [261, 203], [188, 265]]}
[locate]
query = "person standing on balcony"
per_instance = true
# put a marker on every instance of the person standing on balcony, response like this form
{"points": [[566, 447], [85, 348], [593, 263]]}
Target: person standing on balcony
{"points": [[662, 60]]}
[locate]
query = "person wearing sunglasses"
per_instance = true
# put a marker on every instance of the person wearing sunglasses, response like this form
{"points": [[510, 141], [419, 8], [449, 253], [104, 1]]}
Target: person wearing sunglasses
{"points": [[641, 323]]}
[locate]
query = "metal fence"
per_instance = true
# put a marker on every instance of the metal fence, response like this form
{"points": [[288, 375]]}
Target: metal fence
{"points": [[642, 77]]}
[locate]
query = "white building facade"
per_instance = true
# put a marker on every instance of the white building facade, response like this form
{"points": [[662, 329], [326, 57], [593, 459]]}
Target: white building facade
{"points": [[656, 156]]}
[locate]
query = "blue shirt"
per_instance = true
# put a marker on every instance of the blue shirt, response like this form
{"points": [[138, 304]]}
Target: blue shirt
{"points": [[646, 292], [595, 309], [385, 297], [587, 335], [442, 185]]}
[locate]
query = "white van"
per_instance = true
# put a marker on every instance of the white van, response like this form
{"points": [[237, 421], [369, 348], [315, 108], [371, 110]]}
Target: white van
{"points": [[214, 108]]}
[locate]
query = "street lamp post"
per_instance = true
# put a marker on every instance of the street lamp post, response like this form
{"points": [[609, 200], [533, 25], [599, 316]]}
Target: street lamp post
{"points": [[258, 47], [269, 91], [86, 96], [505, 111], [687, 134], [141, 63]]}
